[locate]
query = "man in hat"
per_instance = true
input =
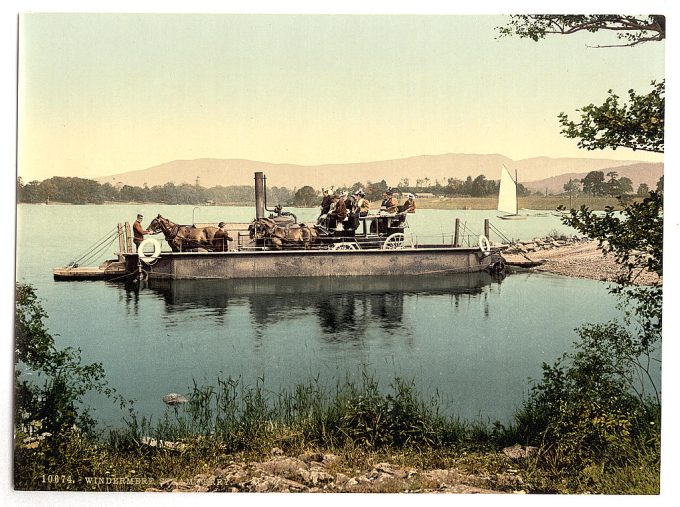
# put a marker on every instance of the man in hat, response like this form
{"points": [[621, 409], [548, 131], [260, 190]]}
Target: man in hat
{"points": [[338, 211], [326, 201], [410, 204], [389, 204], [139, 231]]}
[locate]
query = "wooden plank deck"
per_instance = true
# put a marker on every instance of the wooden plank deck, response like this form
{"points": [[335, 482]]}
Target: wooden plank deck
{"points": [[104, 272]]}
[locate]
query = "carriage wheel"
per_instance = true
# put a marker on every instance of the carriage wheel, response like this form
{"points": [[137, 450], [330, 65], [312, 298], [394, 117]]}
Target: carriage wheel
{"points": [[345, 246], [394, 241]]}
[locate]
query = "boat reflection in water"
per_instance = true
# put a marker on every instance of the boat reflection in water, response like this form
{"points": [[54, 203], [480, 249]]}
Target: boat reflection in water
{"points": [[341, 305]]}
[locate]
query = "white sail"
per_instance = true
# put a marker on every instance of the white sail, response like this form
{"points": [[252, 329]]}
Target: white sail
{"points": [[507, 194]]}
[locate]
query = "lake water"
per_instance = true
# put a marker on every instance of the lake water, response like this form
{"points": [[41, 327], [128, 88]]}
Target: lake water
{"points": [[474, 339]]}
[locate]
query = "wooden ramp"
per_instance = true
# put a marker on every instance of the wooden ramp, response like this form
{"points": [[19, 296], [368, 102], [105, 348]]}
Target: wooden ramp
{"points": [[107, 271]]}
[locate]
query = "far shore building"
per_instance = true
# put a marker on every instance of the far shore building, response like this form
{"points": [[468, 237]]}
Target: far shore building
{"points": [[424, 195]]}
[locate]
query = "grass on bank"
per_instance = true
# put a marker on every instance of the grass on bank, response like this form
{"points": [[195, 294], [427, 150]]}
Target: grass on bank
{"points": [[360, 421]]}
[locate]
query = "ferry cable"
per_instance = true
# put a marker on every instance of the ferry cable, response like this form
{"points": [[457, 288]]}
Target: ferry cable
{"points": [[96, 247], [96, 253], [107, 236], [509, 241]]}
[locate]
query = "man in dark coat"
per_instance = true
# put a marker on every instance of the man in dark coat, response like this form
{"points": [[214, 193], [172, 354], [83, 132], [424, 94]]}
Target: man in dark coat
{"points": [[338, 211], [139, 231]]}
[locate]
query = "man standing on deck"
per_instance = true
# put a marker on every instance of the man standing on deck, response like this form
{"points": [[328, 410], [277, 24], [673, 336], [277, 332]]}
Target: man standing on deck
{"points": [[139, 232]]}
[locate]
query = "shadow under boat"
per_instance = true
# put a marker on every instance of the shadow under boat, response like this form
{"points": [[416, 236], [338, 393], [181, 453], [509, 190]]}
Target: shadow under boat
{"points": [[344, 307], [218, 293]]}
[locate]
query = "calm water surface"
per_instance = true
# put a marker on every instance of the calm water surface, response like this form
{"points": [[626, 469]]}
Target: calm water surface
{"points": [[474, 339]]}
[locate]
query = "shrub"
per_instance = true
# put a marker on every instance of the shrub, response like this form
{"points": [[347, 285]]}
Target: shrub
{"points": [[48, 409], [590, 411]]}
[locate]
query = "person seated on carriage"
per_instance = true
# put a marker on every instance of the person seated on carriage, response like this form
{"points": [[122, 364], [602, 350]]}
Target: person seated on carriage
{"points": [[325, 206], [363, 204], [389, 204], [139, 232], [337, 212], [409, 205], [353, 211], [350, 201], [327, 200]]}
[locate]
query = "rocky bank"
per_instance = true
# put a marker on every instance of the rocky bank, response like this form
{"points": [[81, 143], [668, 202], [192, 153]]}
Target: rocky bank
{"points": [[316, 472], [571, 256]]}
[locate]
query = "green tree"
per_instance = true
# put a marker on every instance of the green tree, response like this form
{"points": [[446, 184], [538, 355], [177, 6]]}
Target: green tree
{"points": [[593, 183], [48, 191], [306, 197], [612, 186], [643, 189], [625, 185], [375, 191], [479, 187], [573, 185]]}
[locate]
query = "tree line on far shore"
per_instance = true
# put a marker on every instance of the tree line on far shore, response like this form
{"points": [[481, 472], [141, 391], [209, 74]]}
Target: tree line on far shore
{"points": [[596, 184], [84, 191]]}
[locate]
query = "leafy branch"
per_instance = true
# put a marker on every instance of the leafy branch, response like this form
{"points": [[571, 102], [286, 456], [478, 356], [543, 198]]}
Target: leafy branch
{"points": [[630, 30], [638, 124]]}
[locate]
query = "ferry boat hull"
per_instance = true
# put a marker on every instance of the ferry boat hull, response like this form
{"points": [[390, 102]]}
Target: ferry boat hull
{"points": [[422, 260]]}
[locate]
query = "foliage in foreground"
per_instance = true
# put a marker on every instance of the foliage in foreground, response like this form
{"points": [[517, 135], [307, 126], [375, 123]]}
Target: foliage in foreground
{"points": [[50, 384], [589, 414]]}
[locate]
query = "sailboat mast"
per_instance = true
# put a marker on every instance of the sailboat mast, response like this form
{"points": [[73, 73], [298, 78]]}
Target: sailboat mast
{"points": [[516, 200]]}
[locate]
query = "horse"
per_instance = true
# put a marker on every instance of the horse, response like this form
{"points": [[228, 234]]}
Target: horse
{"points": [[280, 235], [185, 237]]}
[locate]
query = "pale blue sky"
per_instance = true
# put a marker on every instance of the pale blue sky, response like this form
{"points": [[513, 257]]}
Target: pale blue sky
{"points": [[101, 94]]}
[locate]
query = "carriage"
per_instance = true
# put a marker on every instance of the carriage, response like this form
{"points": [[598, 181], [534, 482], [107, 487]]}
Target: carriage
{"points": [[374, 231]]}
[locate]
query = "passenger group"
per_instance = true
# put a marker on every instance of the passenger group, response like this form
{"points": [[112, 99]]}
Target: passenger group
{"points": [[341, 211]]}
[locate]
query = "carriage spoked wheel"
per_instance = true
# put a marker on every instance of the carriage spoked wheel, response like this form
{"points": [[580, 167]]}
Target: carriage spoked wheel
{"points": [[394, 241], [345, 246]]}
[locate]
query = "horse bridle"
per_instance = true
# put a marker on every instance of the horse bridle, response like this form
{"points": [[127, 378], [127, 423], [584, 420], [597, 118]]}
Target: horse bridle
{"points": [[171, 233]]}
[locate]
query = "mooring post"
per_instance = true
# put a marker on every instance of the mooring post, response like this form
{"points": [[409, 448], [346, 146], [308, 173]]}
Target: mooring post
{"points": [[121, 243], [128, 237], [456, 233], [486, 228]]}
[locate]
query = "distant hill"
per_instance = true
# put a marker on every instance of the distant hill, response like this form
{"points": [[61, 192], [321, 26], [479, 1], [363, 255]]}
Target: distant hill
{"points": [[638, 173], [212, 172]]}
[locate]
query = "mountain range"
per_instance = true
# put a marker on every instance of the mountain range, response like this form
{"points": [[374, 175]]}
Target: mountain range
{"points": [[539, 173]]}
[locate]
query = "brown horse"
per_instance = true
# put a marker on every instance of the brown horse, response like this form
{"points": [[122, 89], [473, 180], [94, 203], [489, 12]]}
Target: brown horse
{"points": [[186, 237], [282, 234]]}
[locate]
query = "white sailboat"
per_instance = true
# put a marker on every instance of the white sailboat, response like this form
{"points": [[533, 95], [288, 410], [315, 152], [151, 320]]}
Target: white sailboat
{"points": [[507, 196]]}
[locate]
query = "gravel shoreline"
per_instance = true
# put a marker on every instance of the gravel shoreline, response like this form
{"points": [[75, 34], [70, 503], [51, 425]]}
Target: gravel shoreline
{"points": [[574, 257]]}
